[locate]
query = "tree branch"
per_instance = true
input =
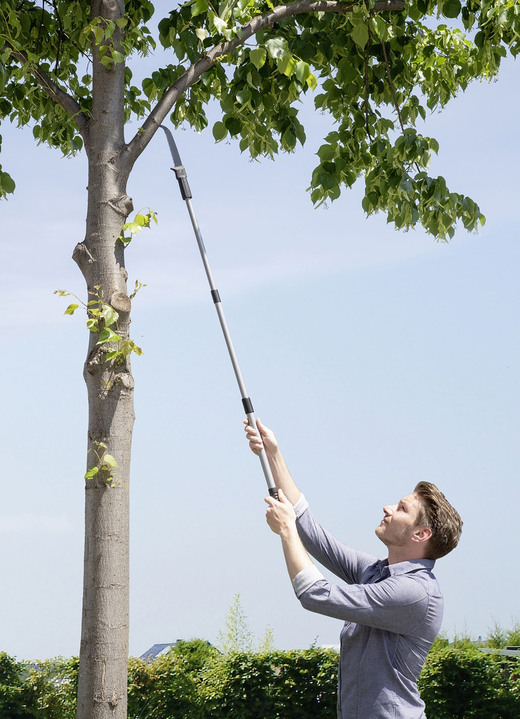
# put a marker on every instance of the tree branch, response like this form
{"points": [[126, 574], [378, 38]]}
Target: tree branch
{"points": [[392, 88], [260, 22], [62, 98]]}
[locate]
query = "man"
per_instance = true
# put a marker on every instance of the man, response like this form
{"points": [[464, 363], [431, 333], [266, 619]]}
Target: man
{"points": [[392, 608]]}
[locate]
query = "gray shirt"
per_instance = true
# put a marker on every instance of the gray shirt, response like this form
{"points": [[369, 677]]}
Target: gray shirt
{"points": [[392, 614]]}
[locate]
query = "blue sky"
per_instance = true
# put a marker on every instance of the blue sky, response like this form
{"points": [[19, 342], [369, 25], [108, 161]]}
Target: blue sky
{"points": [[379, 358]]}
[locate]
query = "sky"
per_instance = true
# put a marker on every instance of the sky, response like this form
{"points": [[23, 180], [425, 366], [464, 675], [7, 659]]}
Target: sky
{"points": [[379, 358]]}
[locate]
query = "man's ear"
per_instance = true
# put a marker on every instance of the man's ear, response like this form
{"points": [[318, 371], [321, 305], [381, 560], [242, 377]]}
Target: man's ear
{"points": [[422, 534]]}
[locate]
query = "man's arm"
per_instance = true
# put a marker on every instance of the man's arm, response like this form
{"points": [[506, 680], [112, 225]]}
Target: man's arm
{"points": [[281, 518], [345, 562], [398, 604], [281, 475]]}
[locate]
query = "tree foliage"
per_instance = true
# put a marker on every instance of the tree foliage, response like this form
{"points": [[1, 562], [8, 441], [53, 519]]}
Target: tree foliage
{"points": [[376, 73]]}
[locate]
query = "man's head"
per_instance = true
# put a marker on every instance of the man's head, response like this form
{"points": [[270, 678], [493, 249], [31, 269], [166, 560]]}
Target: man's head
{"points": [[421, 525], [443, 520]]}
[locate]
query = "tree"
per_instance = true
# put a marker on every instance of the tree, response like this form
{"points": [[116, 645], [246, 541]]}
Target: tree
{"points": [[65, 70]]}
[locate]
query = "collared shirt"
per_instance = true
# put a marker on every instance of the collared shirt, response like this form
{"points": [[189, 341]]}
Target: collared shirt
{"points": [[392, 614]]}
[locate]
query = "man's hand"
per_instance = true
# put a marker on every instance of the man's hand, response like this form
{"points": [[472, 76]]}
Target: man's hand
{"points": [[261, 437], [281, 518], [280, 514]]}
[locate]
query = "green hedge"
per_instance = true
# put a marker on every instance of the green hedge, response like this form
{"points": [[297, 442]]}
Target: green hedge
{"points": [[274, 685], [460, 682], [43, 691], [196, 681]]}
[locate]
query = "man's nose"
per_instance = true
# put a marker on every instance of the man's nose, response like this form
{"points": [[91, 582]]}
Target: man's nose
{"points": [[389, 508]]}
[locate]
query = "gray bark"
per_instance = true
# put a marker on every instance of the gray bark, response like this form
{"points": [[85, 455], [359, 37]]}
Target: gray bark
{"points": [[104, 635]]}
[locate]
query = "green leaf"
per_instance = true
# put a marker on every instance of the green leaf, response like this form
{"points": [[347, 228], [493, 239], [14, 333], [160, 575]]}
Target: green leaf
{"points": [[326, 153], [7, 184], [219, 131], [312, 81], [108, 335], [149, 88], [276, 47], [142, 220], [112, 355], [286, 64], [258, 57], [220, 24], [108, 459], [380, 27], [92, 472], [302, 71], [198, 7], [360, 35], [109, 315], [233, 124], [98, 34], [71, 309], [451, 8]]}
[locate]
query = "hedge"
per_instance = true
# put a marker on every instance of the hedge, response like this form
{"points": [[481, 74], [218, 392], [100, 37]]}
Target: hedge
{"points": [[196, 681]]}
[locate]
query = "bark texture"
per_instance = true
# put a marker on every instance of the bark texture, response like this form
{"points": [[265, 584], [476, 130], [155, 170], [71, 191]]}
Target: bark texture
{"points": [[104, 635]]}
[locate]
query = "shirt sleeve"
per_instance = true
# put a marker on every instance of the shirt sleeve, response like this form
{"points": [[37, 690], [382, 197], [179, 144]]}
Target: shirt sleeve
{"points": [[397, 604], [340, 559], [305, 579]]}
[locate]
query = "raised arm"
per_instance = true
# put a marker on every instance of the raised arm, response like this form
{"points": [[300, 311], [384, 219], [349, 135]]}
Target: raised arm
{"points": [[282, 520], [281, 475]]}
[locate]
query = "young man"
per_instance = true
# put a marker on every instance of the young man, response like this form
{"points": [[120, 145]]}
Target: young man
{"points": [[392, 608]]}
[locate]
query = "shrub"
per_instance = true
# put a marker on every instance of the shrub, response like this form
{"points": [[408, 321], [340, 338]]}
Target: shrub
{"points": [[170, 686], [460, 682], [278, 685], [55, 683], [17, 701]]}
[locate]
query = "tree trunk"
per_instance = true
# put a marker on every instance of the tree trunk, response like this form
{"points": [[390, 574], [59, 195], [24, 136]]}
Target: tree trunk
{"points": [[104, 634], [103, 668]]}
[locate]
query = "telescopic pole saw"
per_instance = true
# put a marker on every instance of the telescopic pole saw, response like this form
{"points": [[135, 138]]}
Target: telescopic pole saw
{"points": [[180, 174]]}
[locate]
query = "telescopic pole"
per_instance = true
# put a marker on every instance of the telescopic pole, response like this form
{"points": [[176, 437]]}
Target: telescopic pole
{"points": [[180, 174]]}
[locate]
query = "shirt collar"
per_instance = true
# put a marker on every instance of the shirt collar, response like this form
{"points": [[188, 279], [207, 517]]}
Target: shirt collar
{"points": [[412, 565]]}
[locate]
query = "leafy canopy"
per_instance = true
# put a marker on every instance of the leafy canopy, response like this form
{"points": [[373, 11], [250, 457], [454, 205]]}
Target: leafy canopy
{"points": [[377, 70]]}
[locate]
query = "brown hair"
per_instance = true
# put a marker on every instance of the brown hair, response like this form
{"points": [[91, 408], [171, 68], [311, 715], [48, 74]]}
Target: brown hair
{"points": [[438, 514]]}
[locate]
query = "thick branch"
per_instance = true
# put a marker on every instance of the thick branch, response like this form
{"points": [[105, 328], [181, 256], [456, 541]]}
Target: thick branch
{"points": [[66, 101], [170, 97]]}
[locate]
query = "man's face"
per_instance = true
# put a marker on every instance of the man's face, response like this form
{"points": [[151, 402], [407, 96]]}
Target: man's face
{"points": [[399, 522]]}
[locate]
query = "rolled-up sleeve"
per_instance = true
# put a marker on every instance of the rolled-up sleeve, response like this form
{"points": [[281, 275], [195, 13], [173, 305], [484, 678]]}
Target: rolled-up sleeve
{"points": [[305, 579], [397, 604], [301, 506]]}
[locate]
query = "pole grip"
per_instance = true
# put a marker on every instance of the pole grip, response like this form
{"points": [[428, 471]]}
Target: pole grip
{"points": [[264, 461]]}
